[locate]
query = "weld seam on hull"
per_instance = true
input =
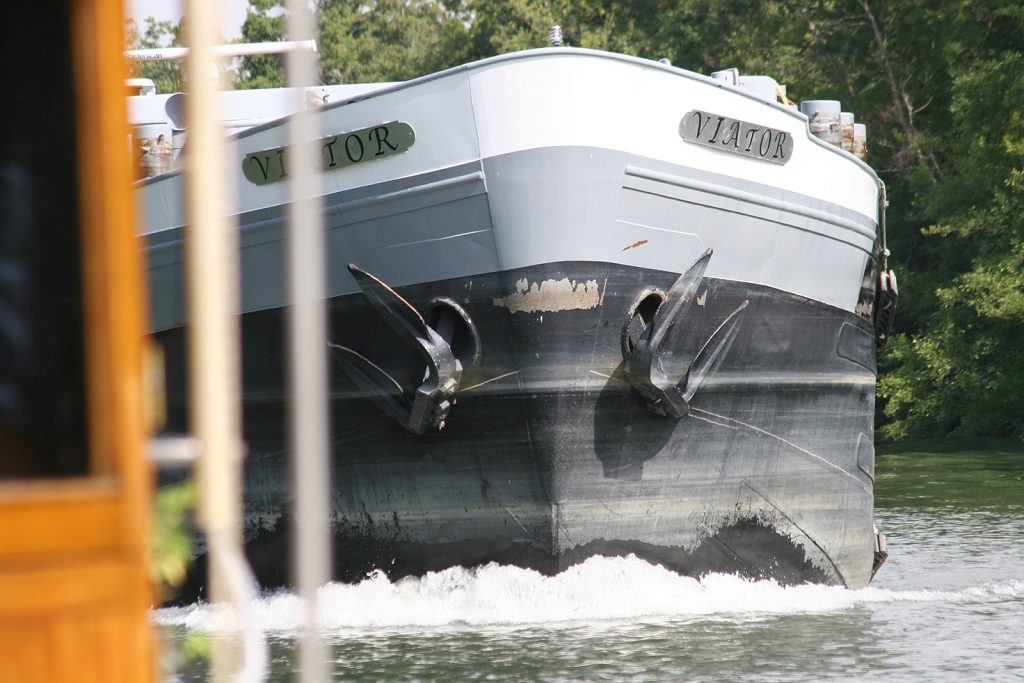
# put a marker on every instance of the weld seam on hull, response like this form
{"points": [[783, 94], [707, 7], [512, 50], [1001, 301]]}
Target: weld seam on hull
{"points": [[822, 461]]}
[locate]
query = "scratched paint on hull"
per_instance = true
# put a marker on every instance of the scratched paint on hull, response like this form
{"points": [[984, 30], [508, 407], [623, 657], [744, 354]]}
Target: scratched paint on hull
{"points": [[550, 296]]}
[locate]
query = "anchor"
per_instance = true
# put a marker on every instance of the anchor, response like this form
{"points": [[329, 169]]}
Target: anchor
{"points": [[645, 334], [426, 406]]}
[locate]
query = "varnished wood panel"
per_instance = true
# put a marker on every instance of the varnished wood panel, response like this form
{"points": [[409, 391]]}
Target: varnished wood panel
{"points": [[74, 590], [59, 519], [84, 647], [97, 583]]}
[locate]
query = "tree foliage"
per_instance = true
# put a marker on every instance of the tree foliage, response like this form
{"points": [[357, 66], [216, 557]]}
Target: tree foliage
{"points": [[166, 76], [264, 22], [959, 369], [360, 42], [938, 82]]}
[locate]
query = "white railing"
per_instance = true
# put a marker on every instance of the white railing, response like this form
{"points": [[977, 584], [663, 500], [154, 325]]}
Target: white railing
{"points": [[212, 271], [161, 54], [307, 337]]}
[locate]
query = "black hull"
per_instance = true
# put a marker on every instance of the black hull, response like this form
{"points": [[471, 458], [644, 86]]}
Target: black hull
{"points": [[550, 456]]}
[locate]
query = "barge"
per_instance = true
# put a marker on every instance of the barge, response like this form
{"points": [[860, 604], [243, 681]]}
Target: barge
{"points": [[579, 304]]}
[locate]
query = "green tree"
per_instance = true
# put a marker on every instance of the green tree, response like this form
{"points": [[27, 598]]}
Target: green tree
{"points": [[388, 40], [962, 372], [264, 22], [364, 42], [166, 76]]}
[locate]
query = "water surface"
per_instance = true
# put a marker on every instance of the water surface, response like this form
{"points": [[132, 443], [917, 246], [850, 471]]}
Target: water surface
{"points": [[948, 604]]}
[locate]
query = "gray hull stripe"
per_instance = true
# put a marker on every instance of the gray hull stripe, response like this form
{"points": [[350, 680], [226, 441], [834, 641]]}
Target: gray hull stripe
{"points": [[339, 209], [865, 220], [414, 186], [345, 202], [749, 197], [349, 211], [449, 217]]}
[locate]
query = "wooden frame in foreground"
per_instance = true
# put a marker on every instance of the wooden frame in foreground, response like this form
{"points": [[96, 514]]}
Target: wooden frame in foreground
{"points": [[74, 588]]}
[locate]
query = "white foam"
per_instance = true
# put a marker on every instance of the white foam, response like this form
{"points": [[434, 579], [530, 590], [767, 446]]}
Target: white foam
{"points": [[598, 589]]}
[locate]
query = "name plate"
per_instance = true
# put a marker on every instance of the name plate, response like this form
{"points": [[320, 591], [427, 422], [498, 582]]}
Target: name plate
{"points": [[337, 151], [737, 137]]}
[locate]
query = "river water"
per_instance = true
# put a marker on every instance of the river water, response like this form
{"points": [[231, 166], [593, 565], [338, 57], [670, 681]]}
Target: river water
{"points": [[948, 604]]}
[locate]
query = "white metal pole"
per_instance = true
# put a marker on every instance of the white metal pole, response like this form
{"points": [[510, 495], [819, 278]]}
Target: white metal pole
{"points": [[308, 350], [211, 250], [161, 54]]}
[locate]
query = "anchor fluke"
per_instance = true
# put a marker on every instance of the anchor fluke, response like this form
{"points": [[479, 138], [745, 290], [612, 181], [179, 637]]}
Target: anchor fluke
{"points": [[678, 300], [378, 385], [715, 346], [417, 409], [652, 363]]}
